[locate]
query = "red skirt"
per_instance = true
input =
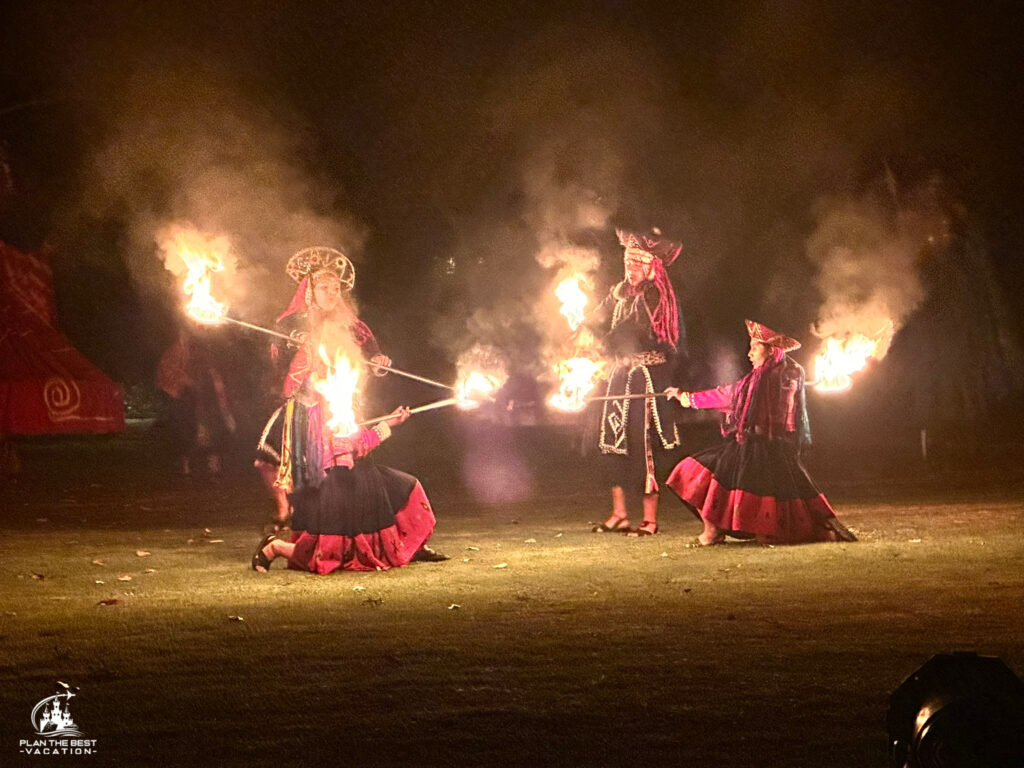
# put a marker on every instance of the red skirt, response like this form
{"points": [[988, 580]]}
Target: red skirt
{"points": [[370, 518], [757, 487]]}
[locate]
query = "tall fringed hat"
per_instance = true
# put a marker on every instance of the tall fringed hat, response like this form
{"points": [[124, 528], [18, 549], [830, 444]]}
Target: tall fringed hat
{"points": [[654, 244], [307, 265], [764, 334], [658, 254]]}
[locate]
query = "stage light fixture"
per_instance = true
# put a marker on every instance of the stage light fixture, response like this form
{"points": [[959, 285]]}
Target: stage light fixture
{"points": [[959, 710]]}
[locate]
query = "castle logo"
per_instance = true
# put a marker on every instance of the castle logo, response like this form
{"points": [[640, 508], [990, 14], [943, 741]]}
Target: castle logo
{"points": [[56, 728], [53, 719]]}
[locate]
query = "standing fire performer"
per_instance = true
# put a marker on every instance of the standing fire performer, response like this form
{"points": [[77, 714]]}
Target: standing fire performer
{"points": [[644, 341], [325, 277], [754, 484]]}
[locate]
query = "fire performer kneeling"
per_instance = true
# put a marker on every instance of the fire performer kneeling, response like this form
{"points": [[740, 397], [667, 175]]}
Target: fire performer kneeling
{"points": [[643, 338], [325, 278], [358, 516], [754, 484]]}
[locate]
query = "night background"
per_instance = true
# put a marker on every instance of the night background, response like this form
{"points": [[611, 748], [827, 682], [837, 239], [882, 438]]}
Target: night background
{"points": [[830, 169], [823, 164]]}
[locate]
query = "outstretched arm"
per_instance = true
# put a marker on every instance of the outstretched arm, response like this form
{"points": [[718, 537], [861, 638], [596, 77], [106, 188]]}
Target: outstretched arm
{"points": [[719, 398]]}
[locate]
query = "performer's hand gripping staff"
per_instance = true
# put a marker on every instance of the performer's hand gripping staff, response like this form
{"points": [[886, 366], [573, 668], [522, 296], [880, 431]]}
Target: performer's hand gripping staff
{"points": [[674, 393]]}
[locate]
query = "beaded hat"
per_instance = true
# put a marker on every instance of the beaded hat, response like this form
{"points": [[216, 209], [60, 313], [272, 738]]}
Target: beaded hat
{"points": [[309, 264]]}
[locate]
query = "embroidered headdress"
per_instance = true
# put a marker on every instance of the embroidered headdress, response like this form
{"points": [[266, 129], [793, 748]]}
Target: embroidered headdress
{"points": [[665, 250], [657, 253], [764, 334], [308, 265], [757, 396]]}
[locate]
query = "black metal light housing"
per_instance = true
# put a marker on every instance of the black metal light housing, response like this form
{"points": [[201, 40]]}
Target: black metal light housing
{"points": [[959, 710]]}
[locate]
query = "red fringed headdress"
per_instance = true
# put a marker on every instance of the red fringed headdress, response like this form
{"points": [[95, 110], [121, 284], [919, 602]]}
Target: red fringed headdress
{"points": [[306, 265], [665, 317]]}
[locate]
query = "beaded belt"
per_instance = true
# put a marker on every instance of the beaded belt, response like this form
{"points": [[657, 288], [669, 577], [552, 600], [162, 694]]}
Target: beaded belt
{"points": [[643, 358]]}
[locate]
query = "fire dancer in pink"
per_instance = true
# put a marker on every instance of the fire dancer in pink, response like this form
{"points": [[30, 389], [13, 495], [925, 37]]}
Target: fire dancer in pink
{"points": [[324, 277], [643, 339], [754, 484], [356, 515]]}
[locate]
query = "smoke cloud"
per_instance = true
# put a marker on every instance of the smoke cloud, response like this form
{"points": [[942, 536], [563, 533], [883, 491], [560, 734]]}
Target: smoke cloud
{"points": [[868, 253], [189, 147]]}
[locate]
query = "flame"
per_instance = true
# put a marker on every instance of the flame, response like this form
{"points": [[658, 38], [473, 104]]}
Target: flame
{"points": [[574, 300], [475, 386], [200, 264], [840, 358], [577, 377], [339, 388]]}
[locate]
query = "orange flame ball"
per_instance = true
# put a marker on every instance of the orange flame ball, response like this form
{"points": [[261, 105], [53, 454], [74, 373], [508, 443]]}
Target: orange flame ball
{"points": [[338, 388]]}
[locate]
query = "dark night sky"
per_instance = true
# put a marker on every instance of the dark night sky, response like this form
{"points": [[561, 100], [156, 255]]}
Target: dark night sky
{"points": [[454, 150]]}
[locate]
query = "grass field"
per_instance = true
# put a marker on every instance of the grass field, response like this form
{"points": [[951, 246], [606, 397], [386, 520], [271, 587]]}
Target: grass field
{"points": [[538, 643]]}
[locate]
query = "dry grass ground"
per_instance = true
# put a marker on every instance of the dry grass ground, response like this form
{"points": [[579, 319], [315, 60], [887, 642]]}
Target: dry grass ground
{"points": [[580, 649]]}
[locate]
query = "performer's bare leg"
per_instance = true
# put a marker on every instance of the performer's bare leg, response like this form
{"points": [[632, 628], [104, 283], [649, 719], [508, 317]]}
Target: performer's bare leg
{"points": [[618, 509], [650, 512], [268, 474], [711, 534], [273, 549], [649, 526]]}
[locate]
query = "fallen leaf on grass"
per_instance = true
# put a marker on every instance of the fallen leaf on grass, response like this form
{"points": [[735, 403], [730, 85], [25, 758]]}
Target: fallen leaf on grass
{"points": [[38, 576], [124, 577], [501, 565], [215, 541], [150, 570], [97, 561], [473, 549], [109, 601], [142, 553], [10, 613], [558, 535], [454, 607], [235, 618], [357, 588], [914, 541], [663, 554], [529, 541], [99, 581]]}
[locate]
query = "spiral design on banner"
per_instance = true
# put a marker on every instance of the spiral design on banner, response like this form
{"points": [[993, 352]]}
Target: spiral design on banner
{"points": [[62, 398]]}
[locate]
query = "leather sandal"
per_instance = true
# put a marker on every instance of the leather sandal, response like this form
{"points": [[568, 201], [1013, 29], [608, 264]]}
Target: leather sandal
{"points": [[621, 525], [260, 562], [645, 529]]}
